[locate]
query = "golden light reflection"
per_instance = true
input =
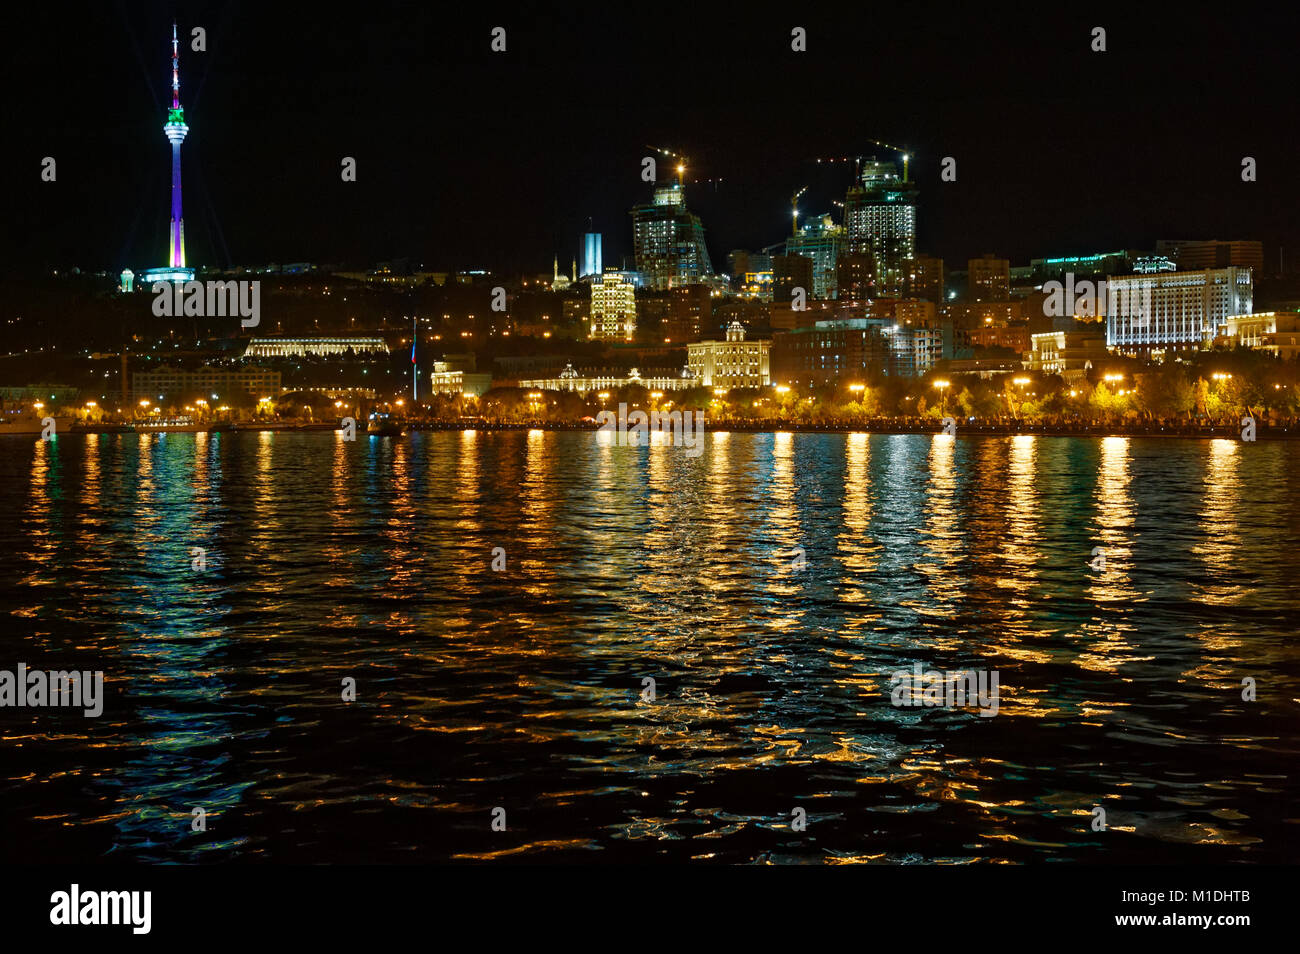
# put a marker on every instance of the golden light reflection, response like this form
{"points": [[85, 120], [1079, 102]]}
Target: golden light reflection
{"points": [[856, 547], [942, 535], [1220, 541]]}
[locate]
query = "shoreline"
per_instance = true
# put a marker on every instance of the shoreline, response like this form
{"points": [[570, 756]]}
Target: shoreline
{"points": [[884, 426]]}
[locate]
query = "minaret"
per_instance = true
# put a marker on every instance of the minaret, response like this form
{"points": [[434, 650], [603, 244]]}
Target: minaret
{"points": [[175, 130]]}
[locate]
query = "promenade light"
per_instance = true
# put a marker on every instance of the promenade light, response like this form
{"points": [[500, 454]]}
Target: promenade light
{"points": [[782, 389], [857, 387]]}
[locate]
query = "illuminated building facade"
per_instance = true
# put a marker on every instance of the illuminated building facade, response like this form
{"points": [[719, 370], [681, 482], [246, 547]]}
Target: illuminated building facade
{"points": [[1174, 310], [613, 307], [734, 363], [668, 241], [570, 379], [320, 347], [1277, 332], [1070, 354], [880, 219], [822, 241]]}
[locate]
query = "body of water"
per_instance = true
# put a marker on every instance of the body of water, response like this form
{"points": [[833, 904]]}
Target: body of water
{"points": [[770, 587]]}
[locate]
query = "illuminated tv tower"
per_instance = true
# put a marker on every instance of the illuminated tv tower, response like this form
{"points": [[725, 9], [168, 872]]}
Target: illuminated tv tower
{"points": [[175, 130]]}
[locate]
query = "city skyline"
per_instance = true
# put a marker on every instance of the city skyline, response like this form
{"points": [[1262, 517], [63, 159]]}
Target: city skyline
{"points": [[461, 207]]}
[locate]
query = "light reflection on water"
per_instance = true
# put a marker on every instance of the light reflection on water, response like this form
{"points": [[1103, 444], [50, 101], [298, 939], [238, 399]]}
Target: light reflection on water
{"points": [[769, 586]]}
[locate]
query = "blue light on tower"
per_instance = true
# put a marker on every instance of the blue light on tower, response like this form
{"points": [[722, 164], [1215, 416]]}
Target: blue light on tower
{"points": [[591, 256]]}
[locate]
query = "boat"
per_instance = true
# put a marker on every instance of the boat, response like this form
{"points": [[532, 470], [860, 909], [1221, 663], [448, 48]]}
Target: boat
{"points": [[163, 425], [29, 424], [383, 424]]}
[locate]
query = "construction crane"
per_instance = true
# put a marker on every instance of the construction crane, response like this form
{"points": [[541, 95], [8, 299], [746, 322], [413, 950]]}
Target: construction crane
{"points": [[681, 160], [857, 160], [907, 157], [794, 210]]}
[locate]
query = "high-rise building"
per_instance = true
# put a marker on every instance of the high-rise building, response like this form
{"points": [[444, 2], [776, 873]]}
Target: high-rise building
{"points": [[923, 278], [668, 241], [821, 240], [880, 218], [988, 278], [1174, 310], [790, 272], [591, 255], [613, 307], [175, 130]]}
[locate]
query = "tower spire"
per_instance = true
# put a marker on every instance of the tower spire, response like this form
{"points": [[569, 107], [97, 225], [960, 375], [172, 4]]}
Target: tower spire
{"points": [[176, 70], [175, 130]]}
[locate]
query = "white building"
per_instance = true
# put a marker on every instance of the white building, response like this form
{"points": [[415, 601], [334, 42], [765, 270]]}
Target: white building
{"points": [[300, 347], [572, 380], [1174, 310], [1070, 354], [733, 363]]}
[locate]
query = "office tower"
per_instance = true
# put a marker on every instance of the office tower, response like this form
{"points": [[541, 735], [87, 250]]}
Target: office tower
{"points": [[880, 219], [668, 241], [821, 240]]}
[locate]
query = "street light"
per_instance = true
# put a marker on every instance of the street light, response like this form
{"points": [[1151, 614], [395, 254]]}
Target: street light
{"points": [[942, 384]]}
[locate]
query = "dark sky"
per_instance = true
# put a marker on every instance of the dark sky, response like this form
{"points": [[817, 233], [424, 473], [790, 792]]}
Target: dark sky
{"points": [[468, 158]]}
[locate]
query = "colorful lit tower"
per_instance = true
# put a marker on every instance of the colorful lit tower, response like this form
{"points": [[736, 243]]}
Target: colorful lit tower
{"points": [[175, 130]]}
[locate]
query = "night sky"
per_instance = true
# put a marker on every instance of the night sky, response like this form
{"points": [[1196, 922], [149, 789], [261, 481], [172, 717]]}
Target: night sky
{"points": [[473, 159]]}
